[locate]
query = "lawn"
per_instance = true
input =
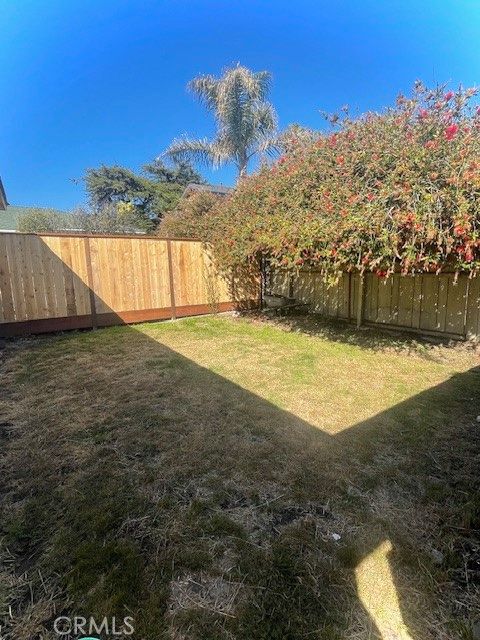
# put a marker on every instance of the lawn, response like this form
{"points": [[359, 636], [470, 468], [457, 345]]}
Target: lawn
{"points": [[231, 478]]}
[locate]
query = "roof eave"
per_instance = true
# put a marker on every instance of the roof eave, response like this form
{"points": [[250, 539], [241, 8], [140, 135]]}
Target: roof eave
{"points": [[220, 190], [3, 197]]}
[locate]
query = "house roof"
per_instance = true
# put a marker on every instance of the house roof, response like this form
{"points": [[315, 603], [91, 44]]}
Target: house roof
{"points": [[10, 217], [217, 189], [3, 197]]}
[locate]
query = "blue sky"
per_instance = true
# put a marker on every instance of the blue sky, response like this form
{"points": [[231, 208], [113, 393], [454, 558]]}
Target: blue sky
{"points": [[90, 82]]}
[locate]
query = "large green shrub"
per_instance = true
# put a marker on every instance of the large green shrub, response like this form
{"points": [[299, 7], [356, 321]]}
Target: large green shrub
{"points": [[392, 191], [188, 218], [35, 219]]}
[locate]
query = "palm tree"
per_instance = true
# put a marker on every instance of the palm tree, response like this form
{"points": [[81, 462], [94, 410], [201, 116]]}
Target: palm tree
{"points": [[246, 122]]}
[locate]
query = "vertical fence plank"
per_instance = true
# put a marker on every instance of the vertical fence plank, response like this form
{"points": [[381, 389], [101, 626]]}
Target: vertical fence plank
{"points": [[395, 304], [417, 302], [456, 306], [405, 300], [473, 314], [360, 300], [36, 264], [6, 282], [88, 260], [465, 309], [443, 282], [371, 309], [384, 299], [16, 274], [170, 279]]}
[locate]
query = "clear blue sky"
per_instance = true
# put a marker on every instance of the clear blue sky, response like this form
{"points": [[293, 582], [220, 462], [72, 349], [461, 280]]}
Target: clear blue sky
{"points": [[86, 82]]}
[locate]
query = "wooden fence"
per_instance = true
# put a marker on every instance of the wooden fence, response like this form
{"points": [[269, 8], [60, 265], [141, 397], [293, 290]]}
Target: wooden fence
{"points": [[424, 303], [51, 282]]}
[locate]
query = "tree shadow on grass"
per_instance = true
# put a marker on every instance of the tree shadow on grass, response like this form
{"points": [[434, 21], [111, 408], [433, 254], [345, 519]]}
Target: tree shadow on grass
{"points": [[374, 338], [136, 482]]}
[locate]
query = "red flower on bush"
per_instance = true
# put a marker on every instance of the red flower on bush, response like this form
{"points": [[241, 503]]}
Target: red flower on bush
{"points": [[409, 218], [451, 131], [449, 95]]}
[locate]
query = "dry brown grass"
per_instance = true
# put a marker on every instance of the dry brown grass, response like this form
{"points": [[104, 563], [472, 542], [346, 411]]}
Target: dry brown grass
{"points": [[223, 478]]}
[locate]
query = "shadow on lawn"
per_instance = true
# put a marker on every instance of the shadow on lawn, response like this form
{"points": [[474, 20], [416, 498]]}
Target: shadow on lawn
{"points": [[377, 338], [161, 490]]}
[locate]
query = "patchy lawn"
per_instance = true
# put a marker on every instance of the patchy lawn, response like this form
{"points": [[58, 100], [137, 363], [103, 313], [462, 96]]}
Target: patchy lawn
{"points": [[229, 478]]}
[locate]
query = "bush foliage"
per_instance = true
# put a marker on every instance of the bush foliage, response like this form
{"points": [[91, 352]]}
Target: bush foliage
{"points": [[119, 217], [385, 192], [39, 219], [189, 218]]}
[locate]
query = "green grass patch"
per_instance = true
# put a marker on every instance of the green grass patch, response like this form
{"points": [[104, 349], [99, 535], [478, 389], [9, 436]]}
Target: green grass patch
{"points": [[224, 478]]}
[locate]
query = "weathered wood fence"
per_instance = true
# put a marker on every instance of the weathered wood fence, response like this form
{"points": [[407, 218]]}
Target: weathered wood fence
{"points": [[51, 282], [425, 303]]}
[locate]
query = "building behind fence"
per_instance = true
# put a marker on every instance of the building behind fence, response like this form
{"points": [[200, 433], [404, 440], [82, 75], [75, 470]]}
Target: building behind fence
{"points": [[424, 303], [51, 282]]}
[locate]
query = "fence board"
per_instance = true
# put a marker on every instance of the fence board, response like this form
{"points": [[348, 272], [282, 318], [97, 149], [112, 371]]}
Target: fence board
{"points": [[443, 289], [343, 295], [194, 276], [55, 269], [456, 305], [473, 315], [319, 299], [405, 301], [6, 291], [15, 265]]}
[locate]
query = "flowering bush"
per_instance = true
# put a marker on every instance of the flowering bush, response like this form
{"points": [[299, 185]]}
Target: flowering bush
{"points": [[385, 192], [188, 219]]}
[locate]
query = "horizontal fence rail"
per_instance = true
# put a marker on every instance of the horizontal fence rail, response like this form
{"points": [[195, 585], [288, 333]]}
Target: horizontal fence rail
{"points": [[425, 303], [51, 282]]}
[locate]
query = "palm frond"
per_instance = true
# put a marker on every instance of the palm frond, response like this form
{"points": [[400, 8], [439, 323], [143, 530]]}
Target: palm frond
{"points": [[264, 81], [197, 151], [268, 146], [265, 118], [255, 85], [206, 89]]}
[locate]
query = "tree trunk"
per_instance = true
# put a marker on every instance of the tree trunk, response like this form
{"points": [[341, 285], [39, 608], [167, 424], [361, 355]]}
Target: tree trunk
{"points": [[242, 168]]}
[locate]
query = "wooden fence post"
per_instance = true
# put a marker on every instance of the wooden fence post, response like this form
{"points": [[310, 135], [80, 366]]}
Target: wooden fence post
{"points": [[361, 297], [465, 312], [349, 296], [88, 259], [171, 280]]}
